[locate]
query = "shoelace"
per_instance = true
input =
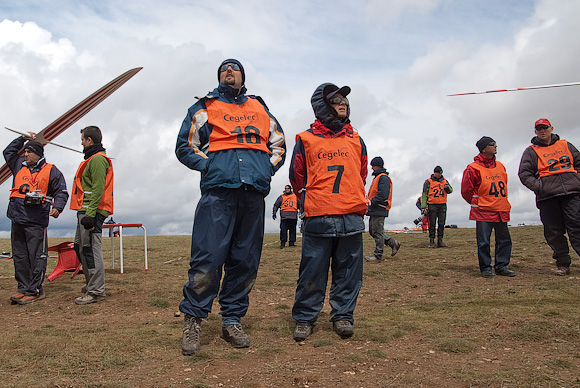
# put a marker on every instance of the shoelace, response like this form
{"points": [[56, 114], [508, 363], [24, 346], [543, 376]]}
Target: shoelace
{"points": [[192, 327], [237, 329]]}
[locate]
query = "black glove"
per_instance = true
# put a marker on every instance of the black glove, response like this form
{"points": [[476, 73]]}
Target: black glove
{"points": [[88, 222]]}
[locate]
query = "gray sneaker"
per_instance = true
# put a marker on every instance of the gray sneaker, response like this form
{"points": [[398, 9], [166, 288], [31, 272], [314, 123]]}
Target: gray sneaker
{"points": [[373, 259], [190, 342], [344, 329], [302, 331], [88, 298], [235, 335]]}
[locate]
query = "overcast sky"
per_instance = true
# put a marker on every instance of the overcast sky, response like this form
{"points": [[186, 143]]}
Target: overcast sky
{"points": [[400, 57]]}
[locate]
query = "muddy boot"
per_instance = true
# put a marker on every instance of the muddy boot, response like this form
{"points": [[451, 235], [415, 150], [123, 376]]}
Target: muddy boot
{"points": [[395, 248], [190, 343], [432, 243], [441, 244]]}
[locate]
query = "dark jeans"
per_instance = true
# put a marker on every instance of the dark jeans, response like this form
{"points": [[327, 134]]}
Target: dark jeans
{"points": [[288, 226], [561, 215], [503, 244], [437, 213], [29, 252], [344, 257]]}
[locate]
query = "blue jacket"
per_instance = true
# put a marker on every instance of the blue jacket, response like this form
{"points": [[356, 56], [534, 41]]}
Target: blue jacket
{"points": [[35, 214], [231, 168]]}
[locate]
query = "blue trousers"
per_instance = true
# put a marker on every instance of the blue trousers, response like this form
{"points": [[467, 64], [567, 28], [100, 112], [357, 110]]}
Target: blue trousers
{"points": [[347, 268], [228, 233], [503, 244]]}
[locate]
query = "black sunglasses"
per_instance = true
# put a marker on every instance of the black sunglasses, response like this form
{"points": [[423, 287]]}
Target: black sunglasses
{"points": [[542, 127], [491, 143], [225, 66], [338, 100]]}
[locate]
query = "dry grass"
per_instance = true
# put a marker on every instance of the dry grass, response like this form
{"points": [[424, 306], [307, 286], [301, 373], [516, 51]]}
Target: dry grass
{"points": [[424, 319]]}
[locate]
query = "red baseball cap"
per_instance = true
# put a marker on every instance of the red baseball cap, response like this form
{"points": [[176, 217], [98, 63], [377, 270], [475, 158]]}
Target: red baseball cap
{"points": [[542, 122]]}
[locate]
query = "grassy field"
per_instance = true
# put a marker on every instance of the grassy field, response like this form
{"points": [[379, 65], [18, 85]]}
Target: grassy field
{"points": [[425, 318]]}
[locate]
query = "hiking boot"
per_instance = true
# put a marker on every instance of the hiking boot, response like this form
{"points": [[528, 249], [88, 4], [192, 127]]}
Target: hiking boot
{"points": [[344, 329], [432, 243], [441, 244], [487, 273], [282, 245], [505, 272], [562, 271], [16, 297], [190, 342], [89, 298], [26, 299], [235, 335], [302, 331], [373, 259], [395, 248]]}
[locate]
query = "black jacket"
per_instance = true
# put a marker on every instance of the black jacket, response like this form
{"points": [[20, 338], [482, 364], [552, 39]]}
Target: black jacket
{"points": [[29, 215], [553, 185]]}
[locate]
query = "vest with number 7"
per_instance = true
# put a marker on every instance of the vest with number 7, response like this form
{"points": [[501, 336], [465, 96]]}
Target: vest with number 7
{"points": [[554, 159], [493, 191], [238, 126], [333, 165]]}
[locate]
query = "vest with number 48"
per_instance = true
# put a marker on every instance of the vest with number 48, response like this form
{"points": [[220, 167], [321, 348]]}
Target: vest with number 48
{"points": [[493, 190]]}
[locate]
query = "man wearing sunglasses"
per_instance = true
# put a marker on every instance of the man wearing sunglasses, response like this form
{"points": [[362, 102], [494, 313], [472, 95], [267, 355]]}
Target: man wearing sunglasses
{"points": [[484, 187], [550, 168], [328, 173], [237, 145]]}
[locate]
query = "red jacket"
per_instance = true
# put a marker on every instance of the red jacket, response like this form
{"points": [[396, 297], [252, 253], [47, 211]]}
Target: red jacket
{"points": [[470, 186]]}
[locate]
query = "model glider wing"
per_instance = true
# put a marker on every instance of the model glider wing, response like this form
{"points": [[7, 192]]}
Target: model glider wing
{"points": [[517, 89], [75, 114]]}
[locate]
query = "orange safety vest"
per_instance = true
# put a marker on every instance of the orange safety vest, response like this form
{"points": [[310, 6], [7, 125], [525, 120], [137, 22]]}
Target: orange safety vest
{"points": [[334, 184], [289, 203], [493, 190], [375, 188], [78, 194], [437, 193], [25, 181], [554, 159], [238, 126]]}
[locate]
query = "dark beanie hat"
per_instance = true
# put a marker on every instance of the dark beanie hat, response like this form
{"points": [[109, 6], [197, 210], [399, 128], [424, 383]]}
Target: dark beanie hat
{"points": [[377, 161], [483, 142], [231, 60], [438, 169], [35, 146]]}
